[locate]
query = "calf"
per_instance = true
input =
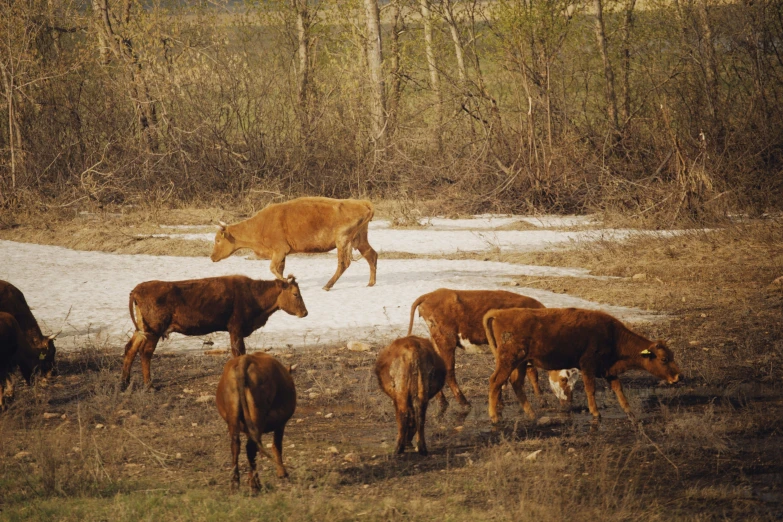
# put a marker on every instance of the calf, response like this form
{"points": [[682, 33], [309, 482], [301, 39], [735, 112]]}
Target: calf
{"points": [[234, 304], [12, 302], [562, 383], [454, 319], [560, 338], [15, 352], [256, 395], [411, 372]]}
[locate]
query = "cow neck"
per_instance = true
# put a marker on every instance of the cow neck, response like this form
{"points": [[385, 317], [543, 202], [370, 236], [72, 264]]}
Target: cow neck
{"points": [[268, 292], [629, 346], [247, 235]]}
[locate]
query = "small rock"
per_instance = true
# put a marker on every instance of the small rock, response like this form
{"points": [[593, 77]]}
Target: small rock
{"points": [[76, 449], [693, 343], [99, 426], [23, 455], [571, 450], [365, 486], [508, 454], [194, 424], [313, 395], [639, 277], [48, 416], [351, 457], [328, 415], [514, 283], [466, 454], [703, 316], [533, 456], [299, 420], [778, 281], [187, 390], [64, 416], [291, 446], [123, 413], [205, 398], [459, 428], [356, 346], [178, 456], [333, 450], [543, 421]]}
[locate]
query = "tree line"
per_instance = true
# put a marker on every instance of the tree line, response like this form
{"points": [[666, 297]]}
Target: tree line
{"points": [[649, 107]]}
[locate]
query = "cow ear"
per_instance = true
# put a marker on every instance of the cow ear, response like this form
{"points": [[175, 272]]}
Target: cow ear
{"points": [[647, 354], [292, 367]]}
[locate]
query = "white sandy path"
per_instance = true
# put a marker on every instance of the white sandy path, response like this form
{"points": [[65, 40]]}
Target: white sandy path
{"points": [[95, 287], [439, 242]]}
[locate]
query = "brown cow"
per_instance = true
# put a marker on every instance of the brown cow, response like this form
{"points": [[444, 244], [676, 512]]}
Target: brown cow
{"points": [[560, 338], [234, 304], [12, 301], [16, 352], [256, 395], [411, 372], [454, 319], [303, 225]]}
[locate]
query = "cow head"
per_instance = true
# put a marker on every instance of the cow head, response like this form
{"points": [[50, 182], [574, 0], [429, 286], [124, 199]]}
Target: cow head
{"points": [[46, 356], [225, 244], [290, 298], [658, 359]]}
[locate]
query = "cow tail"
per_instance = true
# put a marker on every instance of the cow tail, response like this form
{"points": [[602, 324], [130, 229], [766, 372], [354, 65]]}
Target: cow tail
{"points": [[489, 318], [240, 374], [420, 393], [130, 309], [414, 306]]}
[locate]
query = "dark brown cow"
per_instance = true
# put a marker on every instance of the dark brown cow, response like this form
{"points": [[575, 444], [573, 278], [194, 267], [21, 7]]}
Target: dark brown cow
{"points": [[256, 395], [303, 225], [411, 372], [16, 352], [454, 319], [234, 304], [12, 302], [561, 338]]}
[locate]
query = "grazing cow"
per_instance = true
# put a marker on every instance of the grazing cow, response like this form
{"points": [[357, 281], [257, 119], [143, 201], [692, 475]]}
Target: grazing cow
{"points": [[16, 352], [256, 395], [234, 304], [12, 302], [454, 319], [559, 338], [411, 372], [303, 225]]}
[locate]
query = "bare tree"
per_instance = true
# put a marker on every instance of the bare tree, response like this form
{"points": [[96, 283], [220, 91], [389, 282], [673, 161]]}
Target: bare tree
{"points": [[600, 35], [303, 86], [375, 65], [432, 64]]}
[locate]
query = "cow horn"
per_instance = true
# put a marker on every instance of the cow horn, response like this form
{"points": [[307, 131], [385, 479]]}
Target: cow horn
{"points": [[54, 336], [223, 224], [291, 278]]}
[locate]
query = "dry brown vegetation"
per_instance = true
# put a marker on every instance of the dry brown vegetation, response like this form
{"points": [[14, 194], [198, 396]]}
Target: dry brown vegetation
{"points": [[709, 448]]}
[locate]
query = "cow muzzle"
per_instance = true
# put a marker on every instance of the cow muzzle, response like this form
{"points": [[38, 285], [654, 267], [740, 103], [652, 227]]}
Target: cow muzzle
{"points": [[302, 314], [674, 380]]}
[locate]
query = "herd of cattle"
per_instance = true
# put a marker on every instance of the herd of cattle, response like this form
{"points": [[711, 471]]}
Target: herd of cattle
{"points": [[256, 393]]}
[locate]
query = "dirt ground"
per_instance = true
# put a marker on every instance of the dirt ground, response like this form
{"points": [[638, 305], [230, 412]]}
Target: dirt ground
{"points": [[77, 448]]}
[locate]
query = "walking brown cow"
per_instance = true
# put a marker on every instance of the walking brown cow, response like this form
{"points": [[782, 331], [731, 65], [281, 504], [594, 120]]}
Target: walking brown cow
{"points": [[303, 225], [454, 319], [561, 338], [256, 395], [411, 372], [234, 304]]}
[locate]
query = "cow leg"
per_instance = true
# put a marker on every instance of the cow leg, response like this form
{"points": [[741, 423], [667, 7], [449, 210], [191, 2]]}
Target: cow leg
{"points": [[518, 383], [503, 370], [447, 346], [277, 449], [589, 380], [343, 262], [444, 404], [235, 445], [131, 348], [361, 244], [9, 386], [401, 412], [617, 387], [277, 265], [532, 374], [146, 358], [237, 344], [420, 418], [251, 448]]}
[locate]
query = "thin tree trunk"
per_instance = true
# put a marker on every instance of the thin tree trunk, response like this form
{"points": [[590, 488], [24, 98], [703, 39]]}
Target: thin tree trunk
{"points": [[398, 26], [459, 52], [600, 34], [375, 65], [710, 70], [627, 27], [432, 63], [303, 33]]}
